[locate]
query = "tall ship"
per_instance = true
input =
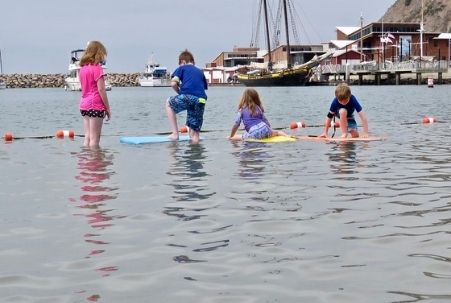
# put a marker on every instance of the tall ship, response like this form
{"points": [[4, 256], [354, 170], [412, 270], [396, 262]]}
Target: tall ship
{"points": [[289, 75], [72, 80], [154, 75]]}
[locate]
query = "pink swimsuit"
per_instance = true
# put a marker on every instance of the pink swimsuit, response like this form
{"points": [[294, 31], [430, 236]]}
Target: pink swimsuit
{"points": [[90, 96]]}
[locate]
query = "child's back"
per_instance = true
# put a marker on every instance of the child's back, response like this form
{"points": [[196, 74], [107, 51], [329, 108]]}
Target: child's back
{"points": [[192, 80], [250, 119]]}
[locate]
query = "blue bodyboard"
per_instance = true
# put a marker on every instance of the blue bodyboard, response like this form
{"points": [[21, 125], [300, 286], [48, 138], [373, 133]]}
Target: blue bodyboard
{"points": [[150, 139]]}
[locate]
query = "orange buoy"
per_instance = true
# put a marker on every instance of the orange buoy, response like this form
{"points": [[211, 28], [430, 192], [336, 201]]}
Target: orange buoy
{"points": [[184, 129], [294, 125], [8, 137], [429, 120], [60, 134]]}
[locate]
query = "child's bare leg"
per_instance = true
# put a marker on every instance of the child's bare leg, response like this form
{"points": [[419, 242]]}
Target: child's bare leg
{"points": [[194, 135], [354, 133], [86, 128], [344, 122], [173, 121], [95, 130]]}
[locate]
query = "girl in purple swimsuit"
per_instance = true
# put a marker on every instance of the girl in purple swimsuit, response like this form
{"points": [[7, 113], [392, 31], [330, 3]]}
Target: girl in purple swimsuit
{"points": [[251, 113]]}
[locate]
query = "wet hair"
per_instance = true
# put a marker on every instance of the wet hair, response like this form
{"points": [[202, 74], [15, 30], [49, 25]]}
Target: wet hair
{"points": [[342, 91], [186, 56], [251, 100], [94, 54]]}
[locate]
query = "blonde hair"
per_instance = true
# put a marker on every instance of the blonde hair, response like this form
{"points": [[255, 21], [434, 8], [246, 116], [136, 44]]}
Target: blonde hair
{"points": [[186, 56], [251, 100], [342, 91], [94, 54]]}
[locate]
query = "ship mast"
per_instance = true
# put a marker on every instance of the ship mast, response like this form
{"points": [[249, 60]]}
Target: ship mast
{"points": [[287, 33], [421, 32], [265, 7]]}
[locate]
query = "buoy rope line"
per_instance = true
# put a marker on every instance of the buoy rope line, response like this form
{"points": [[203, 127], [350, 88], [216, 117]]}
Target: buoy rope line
{"points": [[61, 134]]}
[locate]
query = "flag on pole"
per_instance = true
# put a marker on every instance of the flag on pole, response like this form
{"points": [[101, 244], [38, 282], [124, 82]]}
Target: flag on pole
{"points": [[386, 40]]}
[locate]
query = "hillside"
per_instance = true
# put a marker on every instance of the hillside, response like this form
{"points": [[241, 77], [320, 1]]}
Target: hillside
{"points": [[437, 14]]}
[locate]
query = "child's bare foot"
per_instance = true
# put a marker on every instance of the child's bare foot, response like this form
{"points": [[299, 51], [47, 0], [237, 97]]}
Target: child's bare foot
{"points": [[344, 135], [173, 137]]}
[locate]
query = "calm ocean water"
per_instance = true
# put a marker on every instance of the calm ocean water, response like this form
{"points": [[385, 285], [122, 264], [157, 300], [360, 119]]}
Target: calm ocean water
{"points": [[226, 221]]}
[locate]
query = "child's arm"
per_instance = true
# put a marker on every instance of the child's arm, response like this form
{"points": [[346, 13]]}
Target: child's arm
{"points": [[364, 120], [326, 127], [103, 95], [175, 84], [236, 125], [265, 120], [233, 131]]}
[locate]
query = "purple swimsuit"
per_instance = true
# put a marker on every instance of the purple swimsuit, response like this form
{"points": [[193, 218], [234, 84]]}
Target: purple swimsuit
{"points": [[257, 126]]}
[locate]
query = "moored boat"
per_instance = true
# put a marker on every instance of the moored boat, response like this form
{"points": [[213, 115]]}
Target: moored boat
{"points": [[154, 75], [72, 81], [290, 75], [298, 76]]}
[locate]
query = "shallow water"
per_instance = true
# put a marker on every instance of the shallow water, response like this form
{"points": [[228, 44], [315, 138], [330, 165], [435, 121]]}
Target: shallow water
{"points": [[226, 221]]}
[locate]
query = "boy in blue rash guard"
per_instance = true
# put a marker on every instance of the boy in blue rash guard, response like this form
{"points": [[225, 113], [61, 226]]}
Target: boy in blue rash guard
{"points": [[343, 106], [189, 83]]}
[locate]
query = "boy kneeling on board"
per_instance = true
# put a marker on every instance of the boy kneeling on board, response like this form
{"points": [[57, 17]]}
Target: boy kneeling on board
{"points": [[343, 106], [189, 83]]}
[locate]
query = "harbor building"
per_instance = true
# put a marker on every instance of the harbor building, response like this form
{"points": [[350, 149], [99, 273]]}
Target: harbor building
{"points": [[389, 52]]}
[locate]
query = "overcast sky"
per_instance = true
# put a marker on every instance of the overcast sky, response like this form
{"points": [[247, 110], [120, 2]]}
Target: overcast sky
{"points": [[36, 36]]}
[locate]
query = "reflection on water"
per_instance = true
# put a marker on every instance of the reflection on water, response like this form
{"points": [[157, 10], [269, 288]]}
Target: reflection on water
{"points": [[190, 178], [252, 159], [342, 157], [191, 201], [94, 172], [223, 222]]}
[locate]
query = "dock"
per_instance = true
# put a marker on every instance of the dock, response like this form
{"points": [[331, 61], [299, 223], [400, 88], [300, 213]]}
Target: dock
{"points": [[393, 73]]}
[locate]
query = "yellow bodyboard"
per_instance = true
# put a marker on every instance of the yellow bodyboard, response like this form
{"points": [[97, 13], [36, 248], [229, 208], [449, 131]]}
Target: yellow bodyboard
{"points": [[274, 139]]}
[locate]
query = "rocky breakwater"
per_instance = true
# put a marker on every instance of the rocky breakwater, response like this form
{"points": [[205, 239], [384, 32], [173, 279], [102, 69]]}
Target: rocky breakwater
{"points": [[57, 80], [123, 80], [33, 80]]}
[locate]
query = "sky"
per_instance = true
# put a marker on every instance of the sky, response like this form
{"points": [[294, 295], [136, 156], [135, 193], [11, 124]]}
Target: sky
{"points": [[36, 36]]}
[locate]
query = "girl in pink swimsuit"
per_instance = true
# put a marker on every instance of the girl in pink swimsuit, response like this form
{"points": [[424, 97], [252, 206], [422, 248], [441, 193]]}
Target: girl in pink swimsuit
{"points": [[94, 105]]}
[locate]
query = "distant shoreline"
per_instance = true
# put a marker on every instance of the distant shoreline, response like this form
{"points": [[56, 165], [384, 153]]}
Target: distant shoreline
{"points": [[131, 80], [57, 80]]}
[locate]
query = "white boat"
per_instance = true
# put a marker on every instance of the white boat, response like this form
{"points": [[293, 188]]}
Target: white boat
{"points": [[72, 81], [154, 75], [2, 84]]}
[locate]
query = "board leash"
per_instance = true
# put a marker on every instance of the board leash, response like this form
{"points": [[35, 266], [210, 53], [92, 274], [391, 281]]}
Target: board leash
{"points": [[335, 128]]}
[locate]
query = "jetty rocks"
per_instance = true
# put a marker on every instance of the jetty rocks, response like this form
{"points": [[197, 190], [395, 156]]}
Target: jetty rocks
{"points": [[57, 80]]}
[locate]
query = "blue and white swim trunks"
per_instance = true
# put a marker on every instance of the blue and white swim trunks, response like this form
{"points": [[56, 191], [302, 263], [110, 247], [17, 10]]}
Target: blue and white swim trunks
{"points": [[194, 107]]}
